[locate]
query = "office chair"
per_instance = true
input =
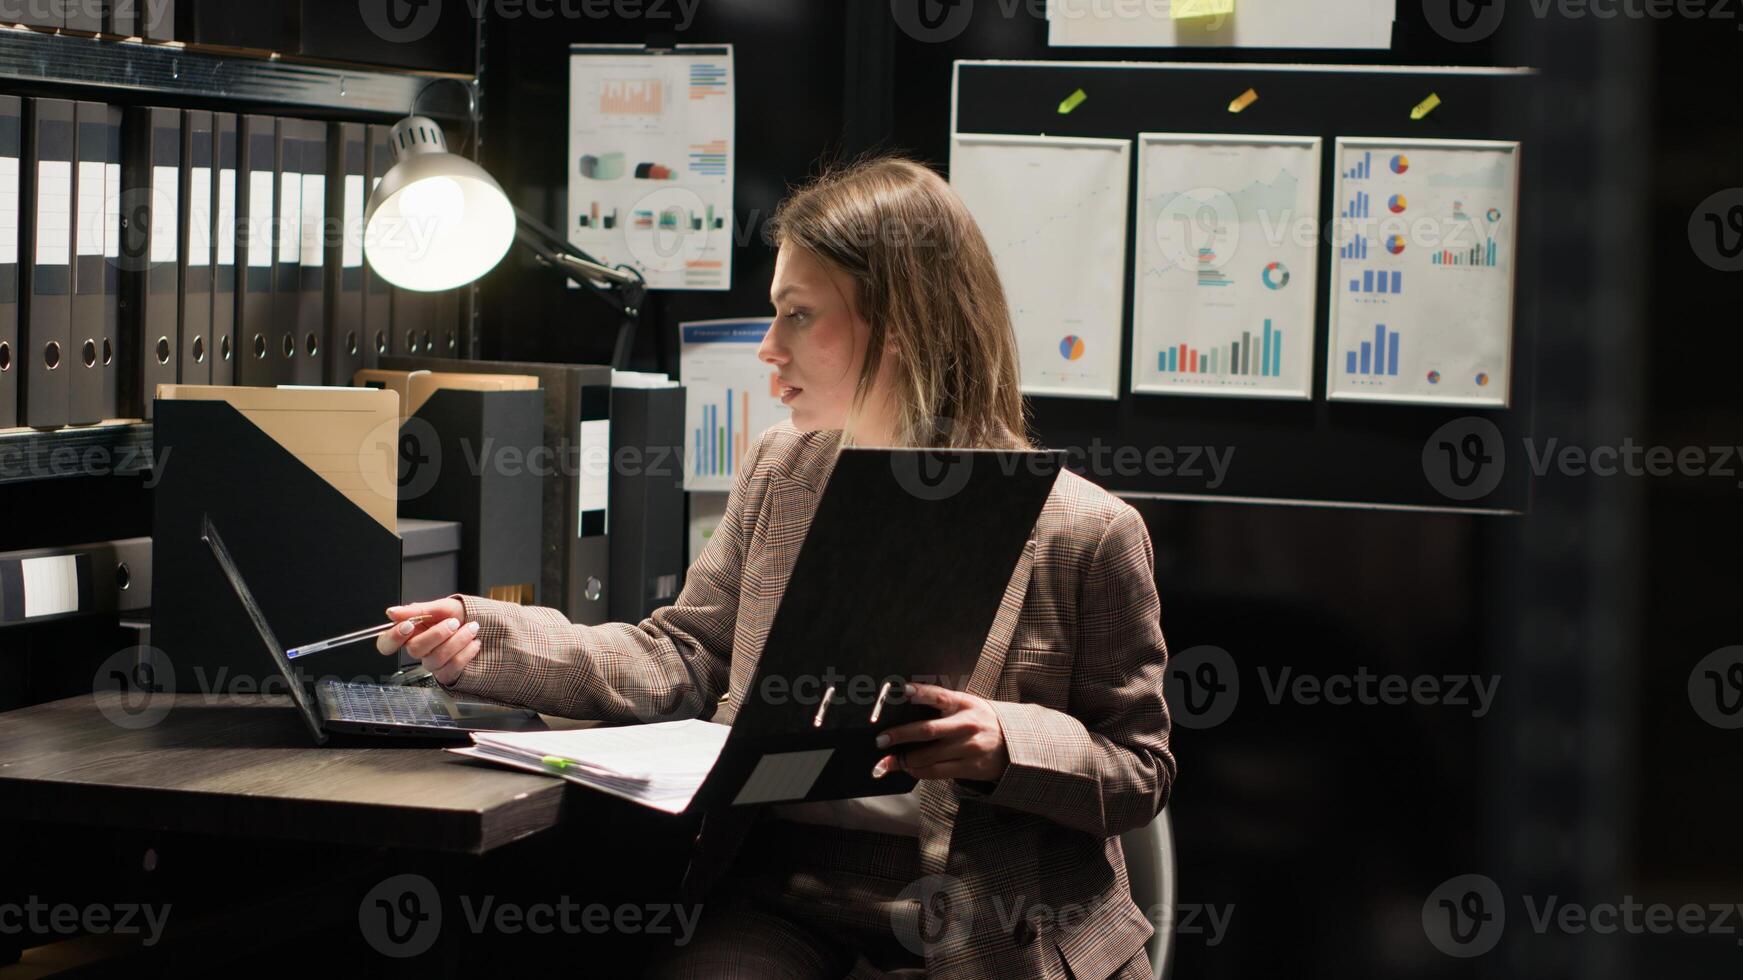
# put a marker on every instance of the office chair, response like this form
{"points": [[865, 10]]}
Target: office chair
{"points": [[1155, 889]]}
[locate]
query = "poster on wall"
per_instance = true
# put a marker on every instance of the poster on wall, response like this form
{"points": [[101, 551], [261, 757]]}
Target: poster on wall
{"points": [[651, 149], [1227, 240], [1053, 212], [1423, 271]]}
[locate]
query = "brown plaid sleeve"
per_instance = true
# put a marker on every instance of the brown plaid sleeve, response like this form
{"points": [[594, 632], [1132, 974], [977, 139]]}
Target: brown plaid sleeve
{"points": [[674, 664], [1106, 767]]}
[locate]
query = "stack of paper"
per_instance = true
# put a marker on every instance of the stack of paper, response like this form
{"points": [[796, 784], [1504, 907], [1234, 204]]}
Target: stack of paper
{"points": [[660, 765]]}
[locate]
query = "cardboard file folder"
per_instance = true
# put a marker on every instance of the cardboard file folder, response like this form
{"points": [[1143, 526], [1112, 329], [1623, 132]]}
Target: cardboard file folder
{"points": [[345, 436], [416, 387], [308, 515]]}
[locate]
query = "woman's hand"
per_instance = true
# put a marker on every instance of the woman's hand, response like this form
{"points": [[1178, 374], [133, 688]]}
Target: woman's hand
{"points": [[967, 742], [444, 643]]}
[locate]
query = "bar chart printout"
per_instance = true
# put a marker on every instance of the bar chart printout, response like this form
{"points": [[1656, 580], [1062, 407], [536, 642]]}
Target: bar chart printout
{"points": [[1422, 285], [730, 398], [1222, 304]]}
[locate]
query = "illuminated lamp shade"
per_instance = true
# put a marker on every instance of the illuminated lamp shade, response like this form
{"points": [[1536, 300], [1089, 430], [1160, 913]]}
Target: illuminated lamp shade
{"points": [[437, 220]]}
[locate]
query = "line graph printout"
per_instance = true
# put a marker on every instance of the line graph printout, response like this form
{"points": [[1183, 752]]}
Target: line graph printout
{"points": [[1053, 211], [1423, 271], [1224, 287]]}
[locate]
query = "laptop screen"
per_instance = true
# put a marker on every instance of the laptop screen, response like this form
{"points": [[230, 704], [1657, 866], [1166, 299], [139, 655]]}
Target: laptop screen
{"points": [[209, 534]]}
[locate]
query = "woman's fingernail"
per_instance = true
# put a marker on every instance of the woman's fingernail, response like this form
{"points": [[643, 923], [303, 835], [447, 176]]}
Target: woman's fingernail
{"points": [[472, 627], [883, 741], [405, 629], [452, 624], [393, 609], [882, 769]]}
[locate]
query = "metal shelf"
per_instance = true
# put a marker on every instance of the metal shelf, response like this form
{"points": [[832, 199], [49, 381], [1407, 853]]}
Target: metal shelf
{"points": [[110, 64], [116, 448]]}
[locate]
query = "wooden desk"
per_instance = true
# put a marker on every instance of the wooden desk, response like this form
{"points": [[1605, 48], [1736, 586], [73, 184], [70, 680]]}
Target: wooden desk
{"points": [[246, 766]]}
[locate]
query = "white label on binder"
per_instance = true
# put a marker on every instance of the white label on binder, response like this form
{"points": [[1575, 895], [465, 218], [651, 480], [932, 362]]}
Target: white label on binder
{"points": [[54, 212], [112, 211], [227, 217], [314, 219], [200, 217], [260, 219], [290, 218], [351, 251], [783, 776], [165, 209], [595, 467], [8, 210], [91, 208], [51, 585]]}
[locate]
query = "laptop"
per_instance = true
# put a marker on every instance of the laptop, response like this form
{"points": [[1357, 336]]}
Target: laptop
{"points": [[364, 708]]}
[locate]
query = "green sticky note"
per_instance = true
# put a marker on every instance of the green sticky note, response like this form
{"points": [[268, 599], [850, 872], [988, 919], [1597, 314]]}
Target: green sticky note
{"points": [[1188, 9], [1072, 101]]}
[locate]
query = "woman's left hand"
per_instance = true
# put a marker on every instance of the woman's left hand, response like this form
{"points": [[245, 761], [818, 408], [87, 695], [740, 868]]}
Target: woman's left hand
{"points": [[967, 741]]}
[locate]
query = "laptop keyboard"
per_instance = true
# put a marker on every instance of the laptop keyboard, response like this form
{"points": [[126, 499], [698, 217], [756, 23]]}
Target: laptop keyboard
{"points": [[379, 704]]}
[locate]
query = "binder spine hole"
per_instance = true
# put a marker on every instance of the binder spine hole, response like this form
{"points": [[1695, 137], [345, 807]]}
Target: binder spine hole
{"points": [[5, 357], [259, 347], [380, 342], [163, 350], [224, 347], [290, 345], [351, 343], [199, 350], [51, 354], [313, 345], [108, 351], [90, 353], [453, 342], [123, 576], [429, 345]]}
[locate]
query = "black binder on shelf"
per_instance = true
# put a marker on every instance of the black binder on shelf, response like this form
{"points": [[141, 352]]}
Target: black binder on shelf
{"points": [[151, 249], [78, 580], [41, 13], [377, 294], [312, 306], [225, 157], [46, 263], [157, 19], [347, 343], [411, 323], [257, 198], [333, 550], [121, 18], [90, 212], [499, 508], [85, 16], [576, 553], [196, 259], [113, 341], [648, 531], [287, 287], [11, 233]]}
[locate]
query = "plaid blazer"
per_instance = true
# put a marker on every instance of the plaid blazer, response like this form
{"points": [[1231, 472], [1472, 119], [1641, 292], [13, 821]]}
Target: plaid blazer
{"points": [[1017, 874]]}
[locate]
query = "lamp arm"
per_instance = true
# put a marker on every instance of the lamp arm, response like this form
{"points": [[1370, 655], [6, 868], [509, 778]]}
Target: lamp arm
{"points": [[622, 288]]}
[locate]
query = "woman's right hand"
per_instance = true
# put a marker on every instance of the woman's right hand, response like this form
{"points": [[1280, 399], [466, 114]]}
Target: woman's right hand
{"points": [[444, 643]]}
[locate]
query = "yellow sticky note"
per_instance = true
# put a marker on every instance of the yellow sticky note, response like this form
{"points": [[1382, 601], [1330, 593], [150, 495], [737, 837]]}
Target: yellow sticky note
{"points": [[1072, 101], [1425, 107], [1188, 9], [1243, 100]]}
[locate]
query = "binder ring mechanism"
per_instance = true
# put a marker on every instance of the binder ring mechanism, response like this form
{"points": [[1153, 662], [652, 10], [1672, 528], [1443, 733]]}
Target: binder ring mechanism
{"points": [[829, 695]]}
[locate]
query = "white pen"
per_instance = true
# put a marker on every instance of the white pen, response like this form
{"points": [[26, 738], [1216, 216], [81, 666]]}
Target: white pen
{"points": [[339, 641]]}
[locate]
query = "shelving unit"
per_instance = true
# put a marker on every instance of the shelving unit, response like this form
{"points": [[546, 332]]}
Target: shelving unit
{"points": [[35, 58], [117, 69]]}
